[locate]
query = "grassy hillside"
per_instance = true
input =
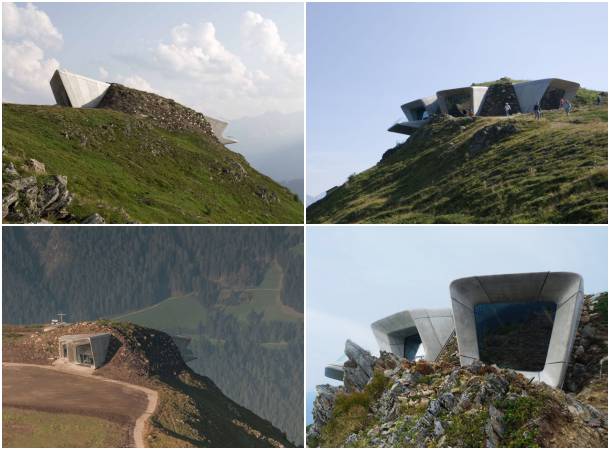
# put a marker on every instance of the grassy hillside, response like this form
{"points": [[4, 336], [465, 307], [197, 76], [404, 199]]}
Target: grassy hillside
{"points": [[485, 170], [128, 169]]}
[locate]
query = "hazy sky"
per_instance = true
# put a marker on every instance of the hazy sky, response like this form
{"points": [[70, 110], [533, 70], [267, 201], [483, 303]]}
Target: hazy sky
{"points": [[358, 274], [228, 60], [365, 60]]}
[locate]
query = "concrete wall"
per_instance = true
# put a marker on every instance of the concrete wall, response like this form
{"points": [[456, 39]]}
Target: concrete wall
{"points": [[77, 91], [475, 93], [565, 289], [218, 127], [531, 92], [430, 104], [334, 371], [434, 327], [98, 343]]}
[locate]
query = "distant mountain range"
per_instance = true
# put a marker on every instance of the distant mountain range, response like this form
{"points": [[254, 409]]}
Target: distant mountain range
{"points": [[273, 143]]}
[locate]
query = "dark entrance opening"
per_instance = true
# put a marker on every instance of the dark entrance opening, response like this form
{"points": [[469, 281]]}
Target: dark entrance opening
{"points": [[515, 335], [419, 113], [459, 104], [412, 344], [551, 98]]}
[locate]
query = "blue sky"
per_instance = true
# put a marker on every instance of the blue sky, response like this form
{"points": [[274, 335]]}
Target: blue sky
{"points": [[358, 274], [365, 60], [228, 60]]}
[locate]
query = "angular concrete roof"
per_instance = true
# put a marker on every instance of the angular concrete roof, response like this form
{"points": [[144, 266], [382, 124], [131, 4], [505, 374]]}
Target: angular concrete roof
{"points": [[429, 103], [409, 127], [476, 93], [564, 289], [531, 92], [218, 128], [77, 91], [434, 327]]}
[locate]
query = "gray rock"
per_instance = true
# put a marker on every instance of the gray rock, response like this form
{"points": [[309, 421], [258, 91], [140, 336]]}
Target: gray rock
{"points": [[358, 370], [438, 428], [35, 166], [351, 440], [94, 218], [10, 170]]}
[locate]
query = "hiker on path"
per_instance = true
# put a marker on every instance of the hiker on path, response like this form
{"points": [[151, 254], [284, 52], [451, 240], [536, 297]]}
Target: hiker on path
{"points": [[537, 111], [507, 109], [598, 100]]}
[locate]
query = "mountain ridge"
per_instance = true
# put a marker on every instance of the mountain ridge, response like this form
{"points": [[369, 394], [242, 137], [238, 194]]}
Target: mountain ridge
{"points": [[484, 170]]}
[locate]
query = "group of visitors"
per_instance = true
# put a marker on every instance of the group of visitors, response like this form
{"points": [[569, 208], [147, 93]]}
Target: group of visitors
{"points": [[563, 104]]}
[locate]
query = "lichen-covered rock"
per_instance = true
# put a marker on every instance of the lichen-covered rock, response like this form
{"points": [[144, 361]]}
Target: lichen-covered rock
{"points": [[28, 200]]}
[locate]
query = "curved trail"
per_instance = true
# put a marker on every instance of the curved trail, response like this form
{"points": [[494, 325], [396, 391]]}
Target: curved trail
{"points": [[152, 397]]}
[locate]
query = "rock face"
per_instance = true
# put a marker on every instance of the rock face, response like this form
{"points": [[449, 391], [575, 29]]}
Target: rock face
{"points": [[486, 137], [358, 369], [28, 199], [166, 113], [497, 95], [590, 351]]}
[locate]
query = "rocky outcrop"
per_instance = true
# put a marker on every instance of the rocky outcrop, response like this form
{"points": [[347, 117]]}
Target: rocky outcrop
{"points": [[496, 96], [490, 135], [358, 369], [440, 404], [322, 410], [164, 112], [590, 351], [30, 200]]}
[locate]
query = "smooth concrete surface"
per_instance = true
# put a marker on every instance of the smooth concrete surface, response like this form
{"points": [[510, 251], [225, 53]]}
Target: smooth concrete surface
{"points": [[334, 371], [565, 289], [97, 342], [434, 327], [70, 89], [475, 94], [218, 128], [531, 92], [407, 127], [429, 104]]}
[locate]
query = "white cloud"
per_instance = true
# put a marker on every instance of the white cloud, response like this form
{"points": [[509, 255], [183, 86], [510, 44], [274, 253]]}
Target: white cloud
{"points": [[206, 75], [29, 23], [103, 73], [197, 53], [135, 82], [25, 68], [262, 34]]}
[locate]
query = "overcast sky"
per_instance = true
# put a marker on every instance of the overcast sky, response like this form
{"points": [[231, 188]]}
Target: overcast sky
{"points": [[358, 274], [365, 60], [228, 60]]}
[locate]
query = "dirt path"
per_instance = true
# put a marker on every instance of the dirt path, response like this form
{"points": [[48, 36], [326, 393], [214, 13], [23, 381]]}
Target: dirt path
{"points": [[49, 388]]}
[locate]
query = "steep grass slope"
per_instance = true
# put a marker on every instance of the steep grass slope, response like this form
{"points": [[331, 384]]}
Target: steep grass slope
{"points": [[485, 170], [129, 169]]}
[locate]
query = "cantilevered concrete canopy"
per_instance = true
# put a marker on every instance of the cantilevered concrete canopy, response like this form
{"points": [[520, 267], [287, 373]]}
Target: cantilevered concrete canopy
{"points": [[563, 291], [334, 371], [548, 92], [70, 89], [420, 109], [455, 101], [218, 128], [407, 127], [84, 349], [401, 333]]}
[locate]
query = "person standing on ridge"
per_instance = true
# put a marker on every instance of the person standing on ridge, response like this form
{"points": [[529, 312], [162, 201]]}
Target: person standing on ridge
{"points": [[537, 111], [507, 109], [598, 100], [567, 106]]}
